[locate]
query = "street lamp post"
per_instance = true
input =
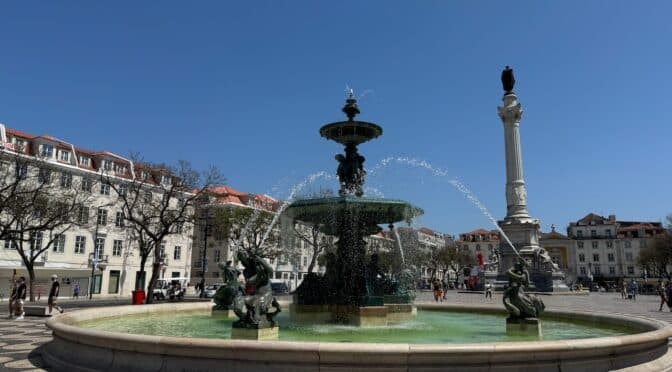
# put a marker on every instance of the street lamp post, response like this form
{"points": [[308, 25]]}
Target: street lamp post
{"points": [[204, 262]]}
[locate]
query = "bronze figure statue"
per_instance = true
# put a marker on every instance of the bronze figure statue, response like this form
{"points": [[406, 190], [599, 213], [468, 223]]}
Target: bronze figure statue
{"points": [[508, 81], [259, 295], [519, 304]]}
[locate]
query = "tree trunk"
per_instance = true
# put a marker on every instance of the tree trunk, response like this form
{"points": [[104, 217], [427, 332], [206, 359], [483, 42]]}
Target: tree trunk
{"points": [[31, 281], [156, 267], [312, 261], [138, 284]]}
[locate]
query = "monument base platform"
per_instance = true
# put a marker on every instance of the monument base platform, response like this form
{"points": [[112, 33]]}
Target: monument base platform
{"points": [[258, 334], [367, 316], [223, 314], [523, 327], [310, 313], [398, 313]]}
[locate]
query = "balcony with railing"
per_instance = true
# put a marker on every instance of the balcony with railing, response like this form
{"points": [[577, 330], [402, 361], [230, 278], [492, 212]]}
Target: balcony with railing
{"points": [[101, 261]]}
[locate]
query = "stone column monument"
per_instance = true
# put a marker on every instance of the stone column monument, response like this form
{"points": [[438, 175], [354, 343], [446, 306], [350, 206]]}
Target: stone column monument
{"points": [[521, 229]]}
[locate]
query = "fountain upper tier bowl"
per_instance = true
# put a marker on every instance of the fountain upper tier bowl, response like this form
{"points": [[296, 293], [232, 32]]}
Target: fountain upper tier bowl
{"points": [[351, 132], [371, 211]]}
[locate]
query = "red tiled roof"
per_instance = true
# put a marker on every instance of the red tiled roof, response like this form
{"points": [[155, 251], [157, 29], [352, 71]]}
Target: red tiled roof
{"points": [[18, 133], [226, 190]]}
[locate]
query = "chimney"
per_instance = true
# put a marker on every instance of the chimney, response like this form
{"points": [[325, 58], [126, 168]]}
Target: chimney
{"points": [[612, 218]]}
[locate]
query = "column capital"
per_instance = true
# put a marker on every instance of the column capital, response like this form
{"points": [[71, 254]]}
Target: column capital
{"points": [[511, 111]]}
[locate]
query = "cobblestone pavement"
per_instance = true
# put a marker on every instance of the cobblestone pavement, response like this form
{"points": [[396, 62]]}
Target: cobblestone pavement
{"points": [[21, 340]]}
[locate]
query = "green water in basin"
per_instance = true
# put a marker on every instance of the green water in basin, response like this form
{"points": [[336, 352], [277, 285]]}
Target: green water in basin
{"points": [[426, 328]]}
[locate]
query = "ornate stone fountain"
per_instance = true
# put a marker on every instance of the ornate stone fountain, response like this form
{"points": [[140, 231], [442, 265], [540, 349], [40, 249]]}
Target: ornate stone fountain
{"points": [[351, 291]]}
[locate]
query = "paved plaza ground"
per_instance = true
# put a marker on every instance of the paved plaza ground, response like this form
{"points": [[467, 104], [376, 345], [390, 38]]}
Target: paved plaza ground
{"points": [[21, 341]]}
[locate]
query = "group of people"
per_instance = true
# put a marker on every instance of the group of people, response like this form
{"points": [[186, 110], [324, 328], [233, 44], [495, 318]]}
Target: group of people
{"points": [[630, 290], [18, 297]]}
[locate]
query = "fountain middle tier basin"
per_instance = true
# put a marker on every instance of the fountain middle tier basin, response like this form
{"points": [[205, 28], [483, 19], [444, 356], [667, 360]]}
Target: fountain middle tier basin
{"points": [[370, 211], [182, 336]]}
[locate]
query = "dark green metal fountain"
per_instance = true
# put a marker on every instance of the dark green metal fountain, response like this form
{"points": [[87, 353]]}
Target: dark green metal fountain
{"points": [[350, 217]]}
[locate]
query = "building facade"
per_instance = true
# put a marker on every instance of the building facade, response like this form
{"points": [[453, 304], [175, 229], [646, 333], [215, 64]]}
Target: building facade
{"points": [[98, 254], [606, 249]]}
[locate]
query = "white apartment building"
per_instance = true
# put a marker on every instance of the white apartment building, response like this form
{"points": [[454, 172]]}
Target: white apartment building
{"points": [[290, 266], [606, 249], [479, 243], [422, 240], [102, 233]]}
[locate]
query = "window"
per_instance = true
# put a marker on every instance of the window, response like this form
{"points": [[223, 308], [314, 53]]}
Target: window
{"points": [[144, 175], [582, 257], [102, 216], [44, 176], [104, 189], [64, 155], [80, 244], [86, 184], [47, 151], [177, 253], [580, 245], [582, 269], [579, 234], [628, 256], [489, 247], [107, 165], [10, 244], [148, 196], [607, 233], [612, 270], [610, 257], [305, 261], [165, 180], [122, 190], [119, 168], [163, 250], [631, 270], [628, 244], [119, 219], [99, 248], [59, 244], [84, 161], [593, 233], [66, 180], [218, 254], [113, 284], [83, 215], [21, 171], [610, 244], [179, 226], [117, 246], [642, 243], [478, 247], [596, 257], [597, 270], [594, 243], [35, 240]]}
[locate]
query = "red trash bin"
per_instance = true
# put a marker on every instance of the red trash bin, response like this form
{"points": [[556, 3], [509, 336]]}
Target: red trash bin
{"points": [[138, 296]]}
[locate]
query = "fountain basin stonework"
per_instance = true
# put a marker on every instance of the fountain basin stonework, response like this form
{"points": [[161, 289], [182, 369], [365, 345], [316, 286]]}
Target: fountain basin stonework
{"points": [[75, 348]]}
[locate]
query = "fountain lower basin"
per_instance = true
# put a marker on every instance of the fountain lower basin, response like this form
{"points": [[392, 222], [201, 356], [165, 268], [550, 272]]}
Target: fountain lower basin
{"points": [[96, 350]]}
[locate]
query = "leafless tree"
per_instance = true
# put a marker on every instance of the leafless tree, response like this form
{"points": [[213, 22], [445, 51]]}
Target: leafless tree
{"points": [[158, 201], [314, 239], [37, 206]]}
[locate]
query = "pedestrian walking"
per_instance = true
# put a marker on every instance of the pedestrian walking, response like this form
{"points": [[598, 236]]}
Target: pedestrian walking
{"points": [[662, 294], [624, 290], [438, 290], [53, 294], [488, 290], [446, 285], [20, 298], [634, 288], [75, 290]]}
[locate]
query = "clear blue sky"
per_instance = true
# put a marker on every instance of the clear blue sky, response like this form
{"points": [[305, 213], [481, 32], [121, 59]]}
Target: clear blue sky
{"points": [[246, 86]]}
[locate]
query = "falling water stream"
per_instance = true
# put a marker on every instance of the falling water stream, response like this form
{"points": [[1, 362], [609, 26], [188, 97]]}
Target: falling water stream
{"points": [[453, 182]]}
